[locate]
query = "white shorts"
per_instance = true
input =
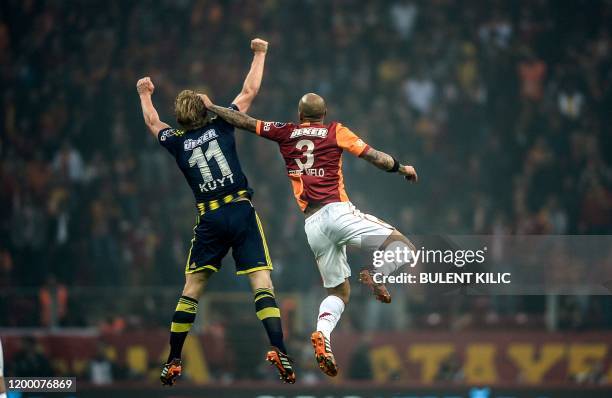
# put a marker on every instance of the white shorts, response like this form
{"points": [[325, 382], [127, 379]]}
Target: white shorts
{"points": [[333, 227]]}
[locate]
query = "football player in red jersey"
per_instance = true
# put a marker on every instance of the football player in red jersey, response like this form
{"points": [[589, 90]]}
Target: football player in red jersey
{"points": [[312, 151]]}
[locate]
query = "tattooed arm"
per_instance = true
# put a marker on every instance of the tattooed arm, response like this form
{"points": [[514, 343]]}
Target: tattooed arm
{"points": [[378, 159], [235, 118], [387, 163]]}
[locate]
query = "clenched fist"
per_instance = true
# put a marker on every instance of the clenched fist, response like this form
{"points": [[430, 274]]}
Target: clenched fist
{"points": [[409, 173], [145, 86], [259, 45]]}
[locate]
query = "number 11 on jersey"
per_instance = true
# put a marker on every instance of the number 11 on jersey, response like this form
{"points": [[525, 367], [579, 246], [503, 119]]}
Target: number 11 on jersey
{"points": [[200, 159]]}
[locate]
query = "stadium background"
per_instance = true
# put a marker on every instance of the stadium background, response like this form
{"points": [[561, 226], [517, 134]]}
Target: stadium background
{"points": [[504, 108]]}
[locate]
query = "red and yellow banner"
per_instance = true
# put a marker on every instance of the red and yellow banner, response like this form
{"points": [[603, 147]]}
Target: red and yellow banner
{"points": [[481, 358]]}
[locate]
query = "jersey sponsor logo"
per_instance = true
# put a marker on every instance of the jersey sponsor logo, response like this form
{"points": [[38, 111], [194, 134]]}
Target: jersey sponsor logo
{"points": [[268, 125], [318, 132], [167, 133], [208, 135]]}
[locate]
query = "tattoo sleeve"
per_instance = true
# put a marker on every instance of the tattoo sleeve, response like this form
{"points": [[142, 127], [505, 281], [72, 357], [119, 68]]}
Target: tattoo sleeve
{"points": [[235, 118], [378, 159]]}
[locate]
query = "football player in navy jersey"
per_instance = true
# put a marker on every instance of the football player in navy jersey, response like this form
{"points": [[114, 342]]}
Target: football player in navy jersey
{"points": [[205, 150]]}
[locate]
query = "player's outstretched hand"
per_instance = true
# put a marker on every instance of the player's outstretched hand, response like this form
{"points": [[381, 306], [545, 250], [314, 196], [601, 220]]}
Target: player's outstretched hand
{"points": [[145, 86], [259, 45], [207, 102], [409, 173]]}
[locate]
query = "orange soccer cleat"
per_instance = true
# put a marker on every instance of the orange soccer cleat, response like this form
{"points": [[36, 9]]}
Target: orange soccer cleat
{"points": [[323, 354], [283, 365], [378, 289], [171, 371]]}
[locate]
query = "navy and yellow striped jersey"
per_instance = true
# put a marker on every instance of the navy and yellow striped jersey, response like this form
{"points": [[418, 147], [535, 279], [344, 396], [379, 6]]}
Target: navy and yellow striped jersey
{"points": [[208, 159]]}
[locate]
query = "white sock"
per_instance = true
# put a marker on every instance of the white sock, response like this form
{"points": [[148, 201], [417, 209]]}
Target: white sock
{"points": [[330, 311]]}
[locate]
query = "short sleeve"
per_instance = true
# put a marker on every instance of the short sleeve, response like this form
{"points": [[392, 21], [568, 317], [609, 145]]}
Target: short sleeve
{"points": [[274, 131], [349, 141], [169, 138]]}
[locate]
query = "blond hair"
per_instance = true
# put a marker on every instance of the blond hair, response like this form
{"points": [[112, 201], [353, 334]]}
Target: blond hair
{"points": [[190, 110]]}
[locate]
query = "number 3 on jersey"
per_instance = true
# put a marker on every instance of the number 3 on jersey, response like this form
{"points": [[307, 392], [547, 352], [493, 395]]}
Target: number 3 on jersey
{"points": [[309, 146], [213, 152]]}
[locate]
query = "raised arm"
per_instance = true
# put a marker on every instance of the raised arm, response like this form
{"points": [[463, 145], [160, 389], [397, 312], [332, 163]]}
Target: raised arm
{"points": [[235, 118], [145, 89], [252, 82], [388, 163], [350, 142]]}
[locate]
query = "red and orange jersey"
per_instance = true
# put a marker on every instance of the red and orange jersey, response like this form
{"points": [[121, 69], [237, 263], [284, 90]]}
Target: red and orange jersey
{"points": [[313, 157]]}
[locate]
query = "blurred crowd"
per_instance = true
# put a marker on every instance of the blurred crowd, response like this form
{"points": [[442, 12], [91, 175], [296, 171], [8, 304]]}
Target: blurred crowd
{"points": [[503, 108]]}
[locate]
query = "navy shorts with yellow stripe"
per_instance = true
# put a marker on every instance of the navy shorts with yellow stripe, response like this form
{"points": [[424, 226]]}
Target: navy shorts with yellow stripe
{"points": [[236, 226]]}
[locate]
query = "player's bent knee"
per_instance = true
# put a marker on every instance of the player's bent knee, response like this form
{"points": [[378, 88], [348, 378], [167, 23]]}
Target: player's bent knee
{"points": [[195, 284], [260, 279], [397, 236]]}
